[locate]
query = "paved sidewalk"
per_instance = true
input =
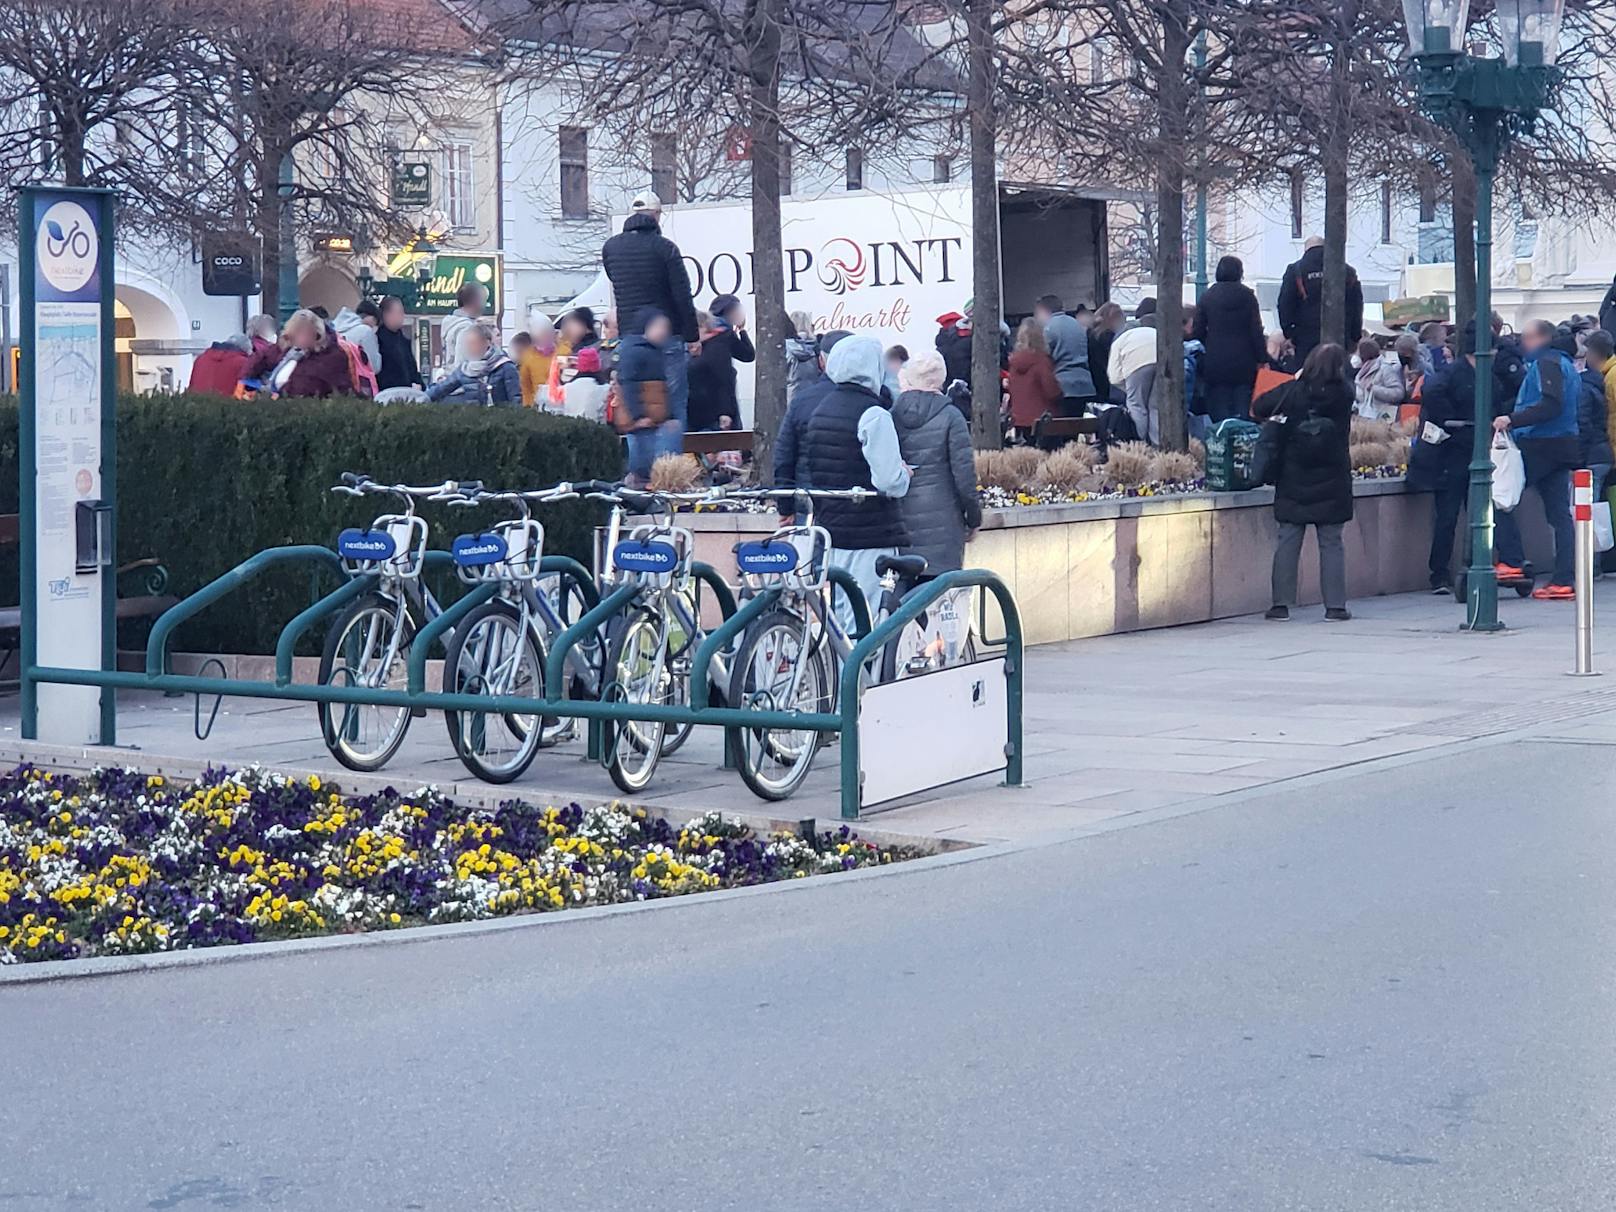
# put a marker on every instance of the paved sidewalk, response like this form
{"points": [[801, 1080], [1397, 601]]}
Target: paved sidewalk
{"points": [[1114, 725]]}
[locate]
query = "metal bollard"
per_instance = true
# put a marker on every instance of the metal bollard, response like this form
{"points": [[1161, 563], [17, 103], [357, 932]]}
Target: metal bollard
{"points": [[1582, 510]]}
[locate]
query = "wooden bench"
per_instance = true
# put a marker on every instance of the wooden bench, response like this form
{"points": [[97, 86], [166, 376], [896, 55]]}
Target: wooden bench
{"points": [[151, 576], [702, 442], [1050, 432]]}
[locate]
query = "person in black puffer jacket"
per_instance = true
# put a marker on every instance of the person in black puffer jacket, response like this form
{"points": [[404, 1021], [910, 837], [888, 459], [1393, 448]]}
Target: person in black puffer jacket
{"points": [[941, 507], [646, 271], [647, 276], [1307, 446], [850, 442], [1228, 323]]}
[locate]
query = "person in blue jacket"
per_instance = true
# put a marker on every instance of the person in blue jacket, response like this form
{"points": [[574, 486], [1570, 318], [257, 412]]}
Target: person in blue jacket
{"points": [[1544, 425], [487, 376]]}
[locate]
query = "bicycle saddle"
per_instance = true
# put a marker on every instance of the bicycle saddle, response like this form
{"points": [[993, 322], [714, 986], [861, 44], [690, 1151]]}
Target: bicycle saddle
{"points": [[907, 566]]}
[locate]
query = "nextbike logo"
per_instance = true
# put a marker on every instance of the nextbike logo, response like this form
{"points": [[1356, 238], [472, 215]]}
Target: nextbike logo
{"points": [[366, 545], [645, 557], [67, 248], [477, 550], [766, 557]]}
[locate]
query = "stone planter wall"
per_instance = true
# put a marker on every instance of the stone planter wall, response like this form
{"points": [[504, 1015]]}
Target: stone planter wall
{"points": [[1111, 566]]}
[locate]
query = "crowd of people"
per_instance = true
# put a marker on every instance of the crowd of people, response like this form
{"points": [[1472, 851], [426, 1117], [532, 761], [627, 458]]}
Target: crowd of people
{"points": [[898, 425]]}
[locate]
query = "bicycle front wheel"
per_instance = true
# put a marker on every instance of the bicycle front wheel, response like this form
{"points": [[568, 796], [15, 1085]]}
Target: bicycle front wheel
{"points": [[637, 666], [359, 651], [776, 669], [492, 654]]}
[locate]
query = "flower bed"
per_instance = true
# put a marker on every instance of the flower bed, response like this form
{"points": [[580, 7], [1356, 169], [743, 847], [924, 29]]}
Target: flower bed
{"points": [[118, 863]]}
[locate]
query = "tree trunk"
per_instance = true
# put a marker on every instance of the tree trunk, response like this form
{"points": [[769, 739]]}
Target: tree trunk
{"points": [[71, 135], [1173, 103], [1464, 239], [985, 432], [768, 264], [1333, 305], [267, 220]]}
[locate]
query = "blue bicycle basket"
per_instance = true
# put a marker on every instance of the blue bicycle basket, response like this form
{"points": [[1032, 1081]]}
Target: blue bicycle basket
{"points": [[766, 556], [636, 555], [373, 545], [478, 550]]}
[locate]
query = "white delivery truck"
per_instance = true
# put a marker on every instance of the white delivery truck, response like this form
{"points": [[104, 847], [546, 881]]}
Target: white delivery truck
{"points": [[889, 263]]}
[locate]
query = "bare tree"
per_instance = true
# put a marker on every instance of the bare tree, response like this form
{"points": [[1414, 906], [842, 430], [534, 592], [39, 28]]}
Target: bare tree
{"points": [[88, 92], [305, 97], [781, 70]]}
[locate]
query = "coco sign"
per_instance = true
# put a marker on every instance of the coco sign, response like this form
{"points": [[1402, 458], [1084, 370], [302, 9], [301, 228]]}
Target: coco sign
{"points": [[230, 265]]}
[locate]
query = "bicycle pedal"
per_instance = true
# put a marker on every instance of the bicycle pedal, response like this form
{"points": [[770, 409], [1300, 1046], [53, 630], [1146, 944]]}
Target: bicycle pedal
{"points": [[417, 713]]}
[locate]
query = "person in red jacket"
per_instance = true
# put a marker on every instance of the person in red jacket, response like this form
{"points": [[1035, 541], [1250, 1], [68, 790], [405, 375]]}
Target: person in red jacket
{"points": [[1034, 389], [306, 362], [218, 368]]}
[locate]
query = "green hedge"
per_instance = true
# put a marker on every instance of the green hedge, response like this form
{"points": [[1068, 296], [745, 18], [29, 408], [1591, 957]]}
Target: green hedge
{"points": [[206, 482]]}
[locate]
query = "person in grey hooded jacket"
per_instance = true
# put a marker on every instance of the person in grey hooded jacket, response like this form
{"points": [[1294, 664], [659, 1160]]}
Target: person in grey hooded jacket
{"points": [[941, 507], [1069, 348]]}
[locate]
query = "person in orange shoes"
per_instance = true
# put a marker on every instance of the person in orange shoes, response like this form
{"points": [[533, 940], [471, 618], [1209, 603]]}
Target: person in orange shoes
{"points": [[1544, 425]]}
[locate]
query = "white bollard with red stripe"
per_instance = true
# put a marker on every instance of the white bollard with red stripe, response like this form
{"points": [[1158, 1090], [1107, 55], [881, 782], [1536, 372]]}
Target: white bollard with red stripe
{"points": [[1582, 512]]}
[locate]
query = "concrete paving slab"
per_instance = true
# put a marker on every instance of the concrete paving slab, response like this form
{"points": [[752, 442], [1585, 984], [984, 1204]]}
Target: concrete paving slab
{"points": [[1113, 724]]}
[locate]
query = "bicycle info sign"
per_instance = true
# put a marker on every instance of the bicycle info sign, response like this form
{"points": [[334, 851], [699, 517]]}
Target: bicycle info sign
{"points": [[67, 451]]}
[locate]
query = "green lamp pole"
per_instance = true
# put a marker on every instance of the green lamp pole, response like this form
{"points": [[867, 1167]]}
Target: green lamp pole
{"points": [[1200, 189], [1485, 102]]}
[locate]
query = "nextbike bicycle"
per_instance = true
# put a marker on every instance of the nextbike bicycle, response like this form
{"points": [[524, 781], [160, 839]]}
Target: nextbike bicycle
{"points": [[370, 643], [501, 647], [652, 643], [790, 657]]}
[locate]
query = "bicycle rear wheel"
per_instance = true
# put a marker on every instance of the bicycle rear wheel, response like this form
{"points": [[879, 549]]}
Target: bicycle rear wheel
{"points": [[491, 655], [638, 673], [360, 736], [776, 669]]}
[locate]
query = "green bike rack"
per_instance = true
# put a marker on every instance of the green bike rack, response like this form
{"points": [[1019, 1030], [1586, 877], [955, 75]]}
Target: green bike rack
{"points": [[421, 645], [185, 608], [845, 720], [286, 644], [860, 605], [555, 666], [911, 606]]}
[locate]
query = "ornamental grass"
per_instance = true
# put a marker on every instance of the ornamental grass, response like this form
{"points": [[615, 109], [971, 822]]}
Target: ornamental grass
{"points": [[117, 862]]}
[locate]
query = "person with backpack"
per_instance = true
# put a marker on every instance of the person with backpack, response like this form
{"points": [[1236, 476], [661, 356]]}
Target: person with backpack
{"points": [[1544, 426], [1301, 300], [1303, 453], [487, 376]]}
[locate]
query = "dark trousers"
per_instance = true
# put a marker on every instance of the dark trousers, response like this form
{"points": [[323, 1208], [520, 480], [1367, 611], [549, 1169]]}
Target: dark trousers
{"points": [[1554, 490], [1446, 503], [1226, 400], [1073, 406]]}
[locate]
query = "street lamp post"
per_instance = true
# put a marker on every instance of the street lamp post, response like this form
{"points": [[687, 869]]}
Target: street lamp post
{"points": [[1485, 102]]}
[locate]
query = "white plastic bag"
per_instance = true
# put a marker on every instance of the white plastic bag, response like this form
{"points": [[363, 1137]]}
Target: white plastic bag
{"points": [[1604, 536], [1509, 473]]}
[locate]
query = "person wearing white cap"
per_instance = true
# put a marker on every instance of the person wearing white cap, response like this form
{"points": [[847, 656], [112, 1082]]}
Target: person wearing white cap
{"points": [[648, 275]]}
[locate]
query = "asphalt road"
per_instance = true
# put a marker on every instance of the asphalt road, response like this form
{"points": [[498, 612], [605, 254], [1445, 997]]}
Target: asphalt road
{"points": [[1393, 991]]}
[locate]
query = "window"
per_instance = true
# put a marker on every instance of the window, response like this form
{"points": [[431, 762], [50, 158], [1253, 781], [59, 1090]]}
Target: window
{"points": [[942, 170], [855, 168], [574, 172], [785, 169], [190, 140], [664, 166], [1296, 204], [47, 141], [1385, 212], [1427, 202], [459, 204]]}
